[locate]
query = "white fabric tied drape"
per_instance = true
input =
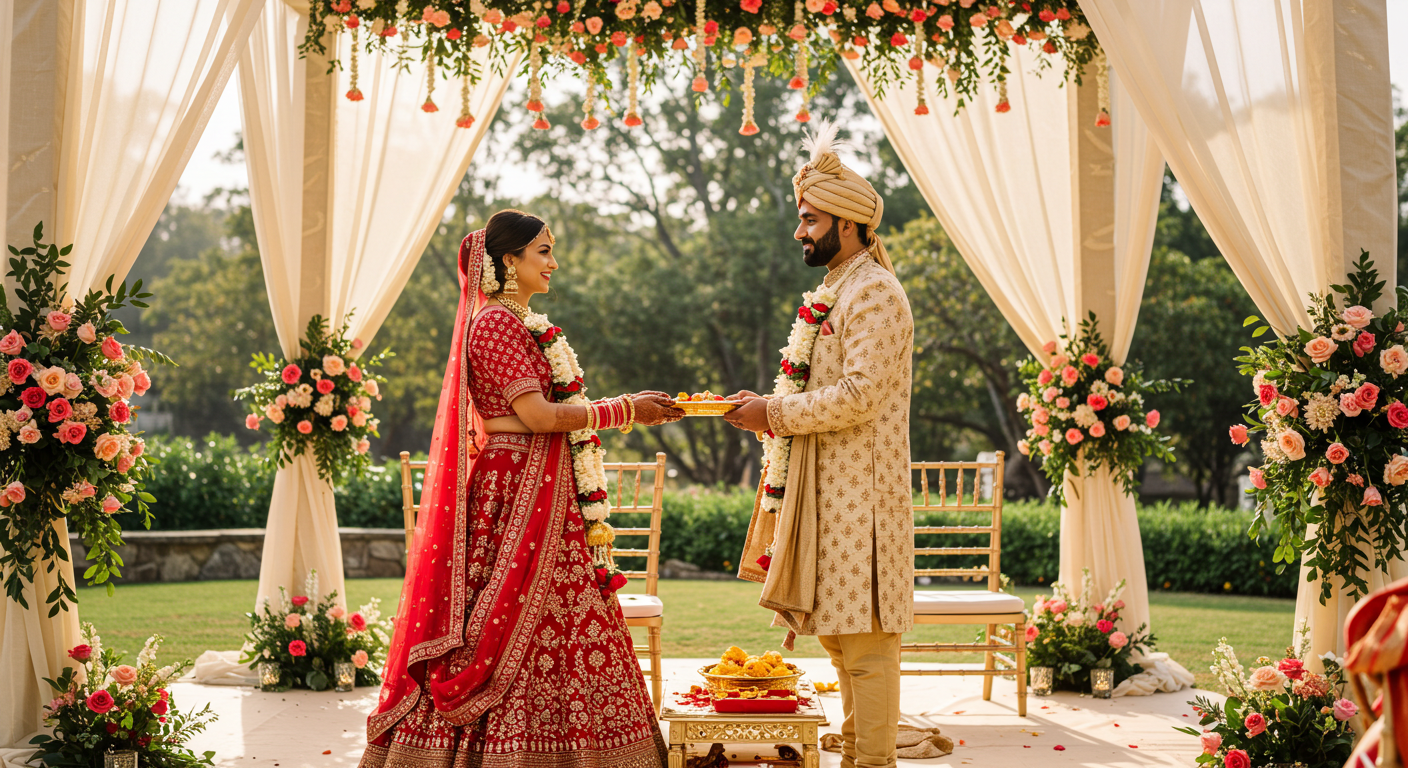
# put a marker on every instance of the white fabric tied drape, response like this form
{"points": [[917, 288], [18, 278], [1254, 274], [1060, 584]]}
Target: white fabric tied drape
{"points": [[1276, 117], [127, 89], [345, 196], [1001, 184]]}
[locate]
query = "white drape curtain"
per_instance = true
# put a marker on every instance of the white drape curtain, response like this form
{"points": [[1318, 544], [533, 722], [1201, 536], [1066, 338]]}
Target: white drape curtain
{"points": [[1001, 186], [1276, 118], [136, 84], [390, 171]]}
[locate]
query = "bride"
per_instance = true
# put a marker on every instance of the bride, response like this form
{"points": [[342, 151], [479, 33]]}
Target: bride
{"points": [[510, 650]]}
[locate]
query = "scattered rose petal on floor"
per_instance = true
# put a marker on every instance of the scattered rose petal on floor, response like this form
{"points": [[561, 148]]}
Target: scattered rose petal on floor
{"points": [[327, 751], [961, 742], [1117, 725], [1134, 746], [1059, 748]]}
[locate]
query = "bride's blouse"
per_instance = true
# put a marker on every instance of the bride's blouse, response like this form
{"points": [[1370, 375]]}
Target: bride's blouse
{"points": [[504, 362]]}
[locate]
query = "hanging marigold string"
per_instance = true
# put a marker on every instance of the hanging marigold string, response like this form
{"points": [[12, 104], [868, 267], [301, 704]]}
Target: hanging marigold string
{"points": [[429, 105], [466, 119], [800, 79], [633, 110], [353, 94], [1002, 105], [1102, 80], [749, 65], [589, 106], [535, 85], [916, 63], [700, 84]]}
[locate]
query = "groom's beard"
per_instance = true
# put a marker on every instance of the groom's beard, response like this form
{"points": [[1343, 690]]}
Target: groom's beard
{"points": [[824, 250]]}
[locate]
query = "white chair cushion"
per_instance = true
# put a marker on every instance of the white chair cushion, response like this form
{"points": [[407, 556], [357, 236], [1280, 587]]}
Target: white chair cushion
{"points": [[641, 606], [957, 602]]}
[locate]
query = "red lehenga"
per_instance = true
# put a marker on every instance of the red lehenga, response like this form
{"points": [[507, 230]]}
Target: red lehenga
{"points": [[506, 654]]}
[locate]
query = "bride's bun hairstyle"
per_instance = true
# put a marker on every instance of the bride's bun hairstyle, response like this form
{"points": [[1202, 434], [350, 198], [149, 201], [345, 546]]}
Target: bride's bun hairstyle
{"points": [[508, 232]]}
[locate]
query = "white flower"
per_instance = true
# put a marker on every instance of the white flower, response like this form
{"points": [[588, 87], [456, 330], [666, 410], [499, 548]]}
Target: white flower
{"points": [[1084, 416], [324, 408]]}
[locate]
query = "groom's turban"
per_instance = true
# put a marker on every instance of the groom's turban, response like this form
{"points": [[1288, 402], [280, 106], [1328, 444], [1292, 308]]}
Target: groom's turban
{"points": [[832, 187]]}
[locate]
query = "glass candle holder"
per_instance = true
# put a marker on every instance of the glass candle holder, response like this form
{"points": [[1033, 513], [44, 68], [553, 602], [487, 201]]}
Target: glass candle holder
{"points": [[121, 758], [1040, 679], [268, 674], [345, 675], [1102, 682]]}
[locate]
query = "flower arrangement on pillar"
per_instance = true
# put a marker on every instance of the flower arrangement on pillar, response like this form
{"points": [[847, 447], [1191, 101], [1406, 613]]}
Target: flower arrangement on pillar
{"points": [[66, 449], [968, 42], [307, 636], [1073, 635], [320, 401], [1081, 407], [1330, 409], [1279, 714], [107, 707]]}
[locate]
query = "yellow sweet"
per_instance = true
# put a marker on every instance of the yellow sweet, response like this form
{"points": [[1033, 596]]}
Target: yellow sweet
{"points": [[757, 668], [734, 654], [773, 657], [781, 670], [682, 396], [726, 668]]}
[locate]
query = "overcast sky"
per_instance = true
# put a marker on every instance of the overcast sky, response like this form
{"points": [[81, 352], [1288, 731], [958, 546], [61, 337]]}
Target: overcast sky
{"points": [[205, 173]]}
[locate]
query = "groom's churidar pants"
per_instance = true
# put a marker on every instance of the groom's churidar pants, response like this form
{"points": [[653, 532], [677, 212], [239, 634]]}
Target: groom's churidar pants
{"points": [[868, 668]]}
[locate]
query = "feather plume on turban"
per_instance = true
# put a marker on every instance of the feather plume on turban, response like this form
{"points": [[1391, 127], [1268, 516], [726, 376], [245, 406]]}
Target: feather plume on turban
{"points": [[838, 190]]}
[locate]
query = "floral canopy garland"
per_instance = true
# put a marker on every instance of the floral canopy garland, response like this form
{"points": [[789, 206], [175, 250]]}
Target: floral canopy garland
{"points": [[966, 40]]}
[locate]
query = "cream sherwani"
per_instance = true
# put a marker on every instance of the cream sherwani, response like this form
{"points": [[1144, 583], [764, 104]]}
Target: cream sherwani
{"points": [[857, 403]]}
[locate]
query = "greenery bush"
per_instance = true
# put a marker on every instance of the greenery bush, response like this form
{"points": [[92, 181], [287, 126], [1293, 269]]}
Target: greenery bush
{"points": [[215, 483]]}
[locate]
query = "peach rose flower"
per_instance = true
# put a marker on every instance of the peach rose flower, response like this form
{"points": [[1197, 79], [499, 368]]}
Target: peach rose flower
{"points": [[371, 387], [1121, 422], [123, 674], [51, 379], [1394, 360], [336, 612], [360, 659], [29, 434], [363, 445], [12, 344], [1336, 453], [1266, 678], [1320, 349], [107, 447], [334, 365], [1292, 444], [1114, 375], [338, 423], [1321, 477], [111, 505], [87, 333], [1357, 316], [1396, 471]]}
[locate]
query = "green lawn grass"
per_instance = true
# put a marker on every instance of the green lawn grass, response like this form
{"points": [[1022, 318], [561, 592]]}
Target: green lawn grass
{"points": [[701, 619]]}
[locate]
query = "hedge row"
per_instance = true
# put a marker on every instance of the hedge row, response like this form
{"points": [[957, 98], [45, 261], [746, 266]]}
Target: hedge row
{"points": [[214, 483]]}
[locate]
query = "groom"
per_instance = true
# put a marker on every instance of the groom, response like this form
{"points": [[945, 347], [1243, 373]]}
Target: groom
{"points": [[837, 559]]}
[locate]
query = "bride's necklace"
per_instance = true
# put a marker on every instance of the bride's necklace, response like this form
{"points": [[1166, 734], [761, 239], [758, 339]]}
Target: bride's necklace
{"points": [[588, 457]]}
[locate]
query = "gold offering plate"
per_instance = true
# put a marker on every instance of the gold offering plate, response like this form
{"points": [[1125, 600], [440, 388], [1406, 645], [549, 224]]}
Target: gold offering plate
{"points": [[743, 682], [705, 407]]}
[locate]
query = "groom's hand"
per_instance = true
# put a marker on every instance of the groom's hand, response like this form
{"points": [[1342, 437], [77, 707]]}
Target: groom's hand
{"points": [[752, 415]]}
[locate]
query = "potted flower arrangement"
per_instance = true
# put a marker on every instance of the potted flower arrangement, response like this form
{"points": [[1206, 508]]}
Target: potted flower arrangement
{"points": [[1330, 409], [66, 449], [1279, 714], [319, 402], [109, 709], [1081, 407], [307, 638], [1074, 635]]}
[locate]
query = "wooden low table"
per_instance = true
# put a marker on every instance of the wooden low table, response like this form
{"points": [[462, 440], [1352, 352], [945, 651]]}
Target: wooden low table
{"points": [[702, 725]]}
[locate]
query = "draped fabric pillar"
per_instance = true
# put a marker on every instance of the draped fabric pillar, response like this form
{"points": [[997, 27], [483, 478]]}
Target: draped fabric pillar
{"points": [[1276, 116], [107, 100], [345, 197], [1056, 218]]}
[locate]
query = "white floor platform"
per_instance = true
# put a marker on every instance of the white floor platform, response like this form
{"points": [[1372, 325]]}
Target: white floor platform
{"points": [[301, 728]]}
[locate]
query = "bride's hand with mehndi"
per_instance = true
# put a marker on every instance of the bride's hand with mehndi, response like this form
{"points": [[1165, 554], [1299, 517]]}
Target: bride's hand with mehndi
{"points": [[655, 408]]}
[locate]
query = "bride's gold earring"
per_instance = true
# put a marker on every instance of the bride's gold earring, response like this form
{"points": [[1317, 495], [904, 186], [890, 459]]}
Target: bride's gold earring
{"points": [[511, 279]]}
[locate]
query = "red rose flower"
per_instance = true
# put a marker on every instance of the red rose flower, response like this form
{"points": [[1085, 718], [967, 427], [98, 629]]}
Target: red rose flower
{"points": [[120, 412], [764, 562], [822, 308], [602, 576], [112, 349], [1292, 668], [1367, 396], [357, 622], [1096, 402], [160, 707], [1266, 394], [1398, 415], [80, 653], [1090, 358], [1364, 344], [297, 648], [291, 374], [617, 581], [1046, 16], [59, 409], [164, 694], [101, 702], [19, 370], [325, 386], [111, 728], [299, 600], [751, 6], [1105, 626], [34, 398], [806, 314]]}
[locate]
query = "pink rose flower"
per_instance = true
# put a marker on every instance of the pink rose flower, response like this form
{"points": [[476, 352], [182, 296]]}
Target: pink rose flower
{"points": [[334, 365], [120, 412], [87, 333], [124, 462], [360, 659], [1096, 402], [1040, 415], [123, 674], [12, 344], [19, 370], [58, 320], [1287, 407], [1336, 453], [1063, 402], [1236, 758], [111, 505], [29, 435], [104, 384], [86, 490], [107, 447], [1118, 640], [1238, 433], [357, 622], [1105, 627], [1069, 375], [291, 374], [73, 386], [112, 350], [1267, 393], [1363, 344], [1320, 349], [1090, 358], [274, 413], [251, 421], [594, 25], [1057, 606], [1394, 360], [1040, 430], [1152, 419], [297, 648], [1372, 497], [1367, 396], [126, 386], [1255, 724], [23, 414], [1044, 445], [1097, 429], [1211, 743], [1044, 377], [71, 432], [14, 492], [354, 373], [1114, 376], [1074, 436], [59, 409], [1357, 316], [1032, 633], [100, 701], [1397, 415], [1258, 478], [365, 445], [305, 427], [1266, 678], [1049, 347], [141, 382], [1349, 404], [293, 621], [1396, 470], [1321, 477], [139, 446], [1345, 709], [324, 386], [1121, 422], [336, 612], [299, 600], [338, 423], [1355, 479]]}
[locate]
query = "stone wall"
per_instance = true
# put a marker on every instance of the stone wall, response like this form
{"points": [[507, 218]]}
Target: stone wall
{"points": [[235, 553]]}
